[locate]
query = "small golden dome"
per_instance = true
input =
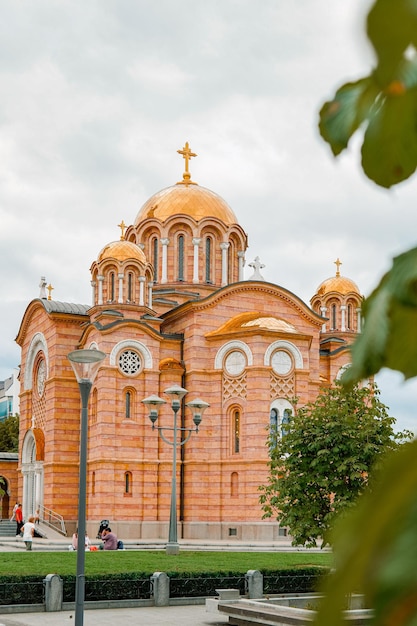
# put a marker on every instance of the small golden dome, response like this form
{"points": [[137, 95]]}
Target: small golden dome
{"points": [[122, 250], [340, 284], [193, 200]]}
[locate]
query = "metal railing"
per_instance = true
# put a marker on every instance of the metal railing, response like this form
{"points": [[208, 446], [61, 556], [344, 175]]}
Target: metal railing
{"points": [[52, 519]]}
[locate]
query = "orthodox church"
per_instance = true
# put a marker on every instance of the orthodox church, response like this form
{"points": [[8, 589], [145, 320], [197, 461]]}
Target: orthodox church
{"points": [[170, 306]]}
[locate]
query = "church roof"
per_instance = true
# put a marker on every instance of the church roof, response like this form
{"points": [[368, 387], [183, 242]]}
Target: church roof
{"points": [[54, 306], [186, 199], [122, 250], [338, 283], [254, 320]]}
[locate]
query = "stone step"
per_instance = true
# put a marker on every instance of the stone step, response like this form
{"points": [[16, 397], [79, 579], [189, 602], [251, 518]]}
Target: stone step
{"points": [[7, 528]]}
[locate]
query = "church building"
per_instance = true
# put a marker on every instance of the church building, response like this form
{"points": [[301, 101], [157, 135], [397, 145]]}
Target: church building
{"points": [[170, 306]]}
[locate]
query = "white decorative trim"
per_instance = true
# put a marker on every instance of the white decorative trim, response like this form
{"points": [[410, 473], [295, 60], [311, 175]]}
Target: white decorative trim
{"points": [[342, 370], [37, 344], [93, 345], [298, 358], [135, 345], [232, 345], [280, 404]]}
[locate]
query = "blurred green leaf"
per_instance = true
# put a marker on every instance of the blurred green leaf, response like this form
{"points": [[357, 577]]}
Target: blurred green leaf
{"points": [[385, 100], [391, 28], [341, 117], [389, 338], [374, 542], [389, 150]]}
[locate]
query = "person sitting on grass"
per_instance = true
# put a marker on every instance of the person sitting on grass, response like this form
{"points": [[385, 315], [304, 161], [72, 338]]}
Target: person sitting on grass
{"points": [[109, 539]]}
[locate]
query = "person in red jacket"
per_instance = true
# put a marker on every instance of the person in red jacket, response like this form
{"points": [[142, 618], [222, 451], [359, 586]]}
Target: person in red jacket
{"points": [[18, 515]]}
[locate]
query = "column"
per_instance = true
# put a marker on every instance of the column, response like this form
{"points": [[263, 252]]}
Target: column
{"points": [[241, 257], [100, 289], [164, 277], [343, 310], [323, 311], [224, 248], [120, 277], [359, 320], [93, 292], [142, 280], [196, 243], [150, 286]]}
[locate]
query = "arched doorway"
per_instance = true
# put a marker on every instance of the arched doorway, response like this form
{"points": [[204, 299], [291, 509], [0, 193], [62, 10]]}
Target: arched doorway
{"points": [[32, 471], [5, 500]]}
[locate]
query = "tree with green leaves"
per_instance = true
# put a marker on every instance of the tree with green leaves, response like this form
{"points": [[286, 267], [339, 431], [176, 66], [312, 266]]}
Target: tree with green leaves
{"points": [[9, 434], [326, 460]]}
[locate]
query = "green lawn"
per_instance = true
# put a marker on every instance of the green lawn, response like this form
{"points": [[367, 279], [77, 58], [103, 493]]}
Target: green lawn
{"points": [[148, 562]]}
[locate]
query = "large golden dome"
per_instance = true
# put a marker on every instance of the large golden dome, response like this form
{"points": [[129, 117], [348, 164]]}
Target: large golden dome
{"points": [[193, 200], [122, 251]]}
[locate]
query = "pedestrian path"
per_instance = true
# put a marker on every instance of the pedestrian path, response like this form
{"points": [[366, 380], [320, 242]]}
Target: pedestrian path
{"points": [[13, 544], [190, 615]]}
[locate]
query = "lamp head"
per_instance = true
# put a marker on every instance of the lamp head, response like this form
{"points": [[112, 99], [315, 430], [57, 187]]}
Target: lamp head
{"points": [[85, 364], [197, 407], [153, 402], [176, 392]]}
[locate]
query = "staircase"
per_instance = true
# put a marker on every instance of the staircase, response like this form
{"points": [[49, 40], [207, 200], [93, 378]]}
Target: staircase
{"points": [[7, 528]]}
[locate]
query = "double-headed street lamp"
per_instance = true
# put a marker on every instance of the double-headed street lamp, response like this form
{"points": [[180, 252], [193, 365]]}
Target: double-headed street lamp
{"points": [[85, 364], [197, 407]]}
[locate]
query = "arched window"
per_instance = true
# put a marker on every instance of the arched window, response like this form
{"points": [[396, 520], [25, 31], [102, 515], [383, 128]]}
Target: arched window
{"points": [[333, 317], [155, 259], [128, 483], [234, 484], [181, 257], [286, 418], [279, 418], [130, 287], [111, 287], [128, 404], [273, 427], [236, 431], [208, 261], [349, 317]]}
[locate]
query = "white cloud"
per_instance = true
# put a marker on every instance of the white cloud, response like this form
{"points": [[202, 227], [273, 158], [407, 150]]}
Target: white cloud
{"points": [[98, 96]]}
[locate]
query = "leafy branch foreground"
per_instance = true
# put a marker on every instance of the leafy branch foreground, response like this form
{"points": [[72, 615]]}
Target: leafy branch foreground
{"points": [[148, 562]]}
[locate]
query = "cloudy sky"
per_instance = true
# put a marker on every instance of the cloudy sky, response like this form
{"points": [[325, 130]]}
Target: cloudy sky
{"points": [[98, 95]]}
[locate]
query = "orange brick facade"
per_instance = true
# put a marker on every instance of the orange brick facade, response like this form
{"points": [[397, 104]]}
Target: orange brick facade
{"points": [[170, 306]]}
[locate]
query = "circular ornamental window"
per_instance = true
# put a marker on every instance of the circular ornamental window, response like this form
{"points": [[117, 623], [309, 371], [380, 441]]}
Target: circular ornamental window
{"points": [[281, 362], [235, 363], [129, 362]]}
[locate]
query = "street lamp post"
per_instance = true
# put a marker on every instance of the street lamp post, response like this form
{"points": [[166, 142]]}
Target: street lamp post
{"points": [[197, 407], [85, 364]]}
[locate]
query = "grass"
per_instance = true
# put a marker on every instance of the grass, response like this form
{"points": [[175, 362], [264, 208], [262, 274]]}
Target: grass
{"points": [[148, 562]]}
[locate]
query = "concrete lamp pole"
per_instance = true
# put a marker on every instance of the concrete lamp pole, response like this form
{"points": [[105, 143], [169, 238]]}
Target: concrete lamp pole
{"points": [[197, 407], [85, 364]]}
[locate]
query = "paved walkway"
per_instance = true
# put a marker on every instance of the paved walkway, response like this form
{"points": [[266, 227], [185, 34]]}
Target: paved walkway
{"points": [[146, 616]]}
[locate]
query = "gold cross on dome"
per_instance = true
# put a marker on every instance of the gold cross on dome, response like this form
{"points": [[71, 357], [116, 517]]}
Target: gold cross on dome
{"points": [[122, 227], [187, 155], [338, 263], [50, 289]]}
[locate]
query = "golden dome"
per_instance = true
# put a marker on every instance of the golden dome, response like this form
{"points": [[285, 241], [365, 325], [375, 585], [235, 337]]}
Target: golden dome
{"points": [[122, 250], [186, 199], [340, 284]]}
